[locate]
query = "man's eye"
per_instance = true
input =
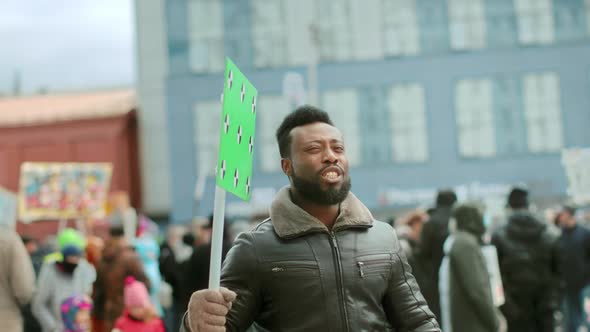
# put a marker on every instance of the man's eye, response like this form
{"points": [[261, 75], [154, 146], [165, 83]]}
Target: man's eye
{"points": [[339, 149]]}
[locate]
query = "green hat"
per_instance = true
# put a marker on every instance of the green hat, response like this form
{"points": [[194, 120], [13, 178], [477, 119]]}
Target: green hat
{"points": [[70, 237]]}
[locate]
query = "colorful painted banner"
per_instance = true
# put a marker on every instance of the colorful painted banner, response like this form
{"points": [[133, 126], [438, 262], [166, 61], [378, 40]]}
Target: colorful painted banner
{"points": [[8, 202], [63, 190]]}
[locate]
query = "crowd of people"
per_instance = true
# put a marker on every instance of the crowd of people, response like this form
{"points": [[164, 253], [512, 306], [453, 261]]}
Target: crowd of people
{"points": [[87, 283], [320, 262], [544, 265]]}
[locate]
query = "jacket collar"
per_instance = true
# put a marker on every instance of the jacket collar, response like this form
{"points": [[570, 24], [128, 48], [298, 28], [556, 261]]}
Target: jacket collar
{"points": [[290, 221]]}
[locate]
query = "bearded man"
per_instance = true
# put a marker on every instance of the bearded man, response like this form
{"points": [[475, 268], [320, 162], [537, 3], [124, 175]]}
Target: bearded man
{"points": [[320, 262]]}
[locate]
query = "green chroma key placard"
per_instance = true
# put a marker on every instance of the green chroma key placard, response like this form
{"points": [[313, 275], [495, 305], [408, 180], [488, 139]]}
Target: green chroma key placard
{"points": [[238, 124]]}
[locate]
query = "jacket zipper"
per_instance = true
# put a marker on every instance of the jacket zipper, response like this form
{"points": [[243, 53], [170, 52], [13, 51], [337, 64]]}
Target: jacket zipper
{"points": [[361, 265], [291, 267], [336, 251]]}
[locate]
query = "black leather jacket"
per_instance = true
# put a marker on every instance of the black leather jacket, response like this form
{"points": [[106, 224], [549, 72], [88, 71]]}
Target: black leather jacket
{"points": [[293, 274]]}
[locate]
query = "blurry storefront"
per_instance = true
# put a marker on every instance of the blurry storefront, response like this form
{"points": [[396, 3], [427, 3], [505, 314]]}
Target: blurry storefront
{"points": [[85, 127]]}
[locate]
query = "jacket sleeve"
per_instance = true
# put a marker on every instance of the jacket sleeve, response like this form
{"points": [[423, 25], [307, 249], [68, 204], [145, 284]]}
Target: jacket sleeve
{"points": [[404, 304], [22, 275], [42, 298], [467, 264], [240, 274]]}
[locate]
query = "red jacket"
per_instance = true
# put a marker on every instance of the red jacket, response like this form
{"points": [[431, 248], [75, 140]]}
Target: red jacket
{"points": [[127, 324]]}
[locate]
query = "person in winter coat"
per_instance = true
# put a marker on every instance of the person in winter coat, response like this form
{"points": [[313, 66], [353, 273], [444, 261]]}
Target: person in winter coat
{"points": [[471, 307], [149, 251], [140, 314], [575, 259], [529, 258], [433, 236], [75, 313], [71, 275], [118, 261], [320, 262], [17, 279], [198, 264]]}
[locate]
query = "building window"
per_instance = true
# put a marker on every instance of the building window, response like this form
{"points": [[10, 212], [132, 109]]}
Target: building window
{"points": [[335, 42], [535, 21], [542, 112], [342, 105], [467, 24], [475, 123], [207, 121], [300, 15], [206, 52], [587, 2], [272, 110], [367, 29], [268, 34], [400, 28], [408, 123]]}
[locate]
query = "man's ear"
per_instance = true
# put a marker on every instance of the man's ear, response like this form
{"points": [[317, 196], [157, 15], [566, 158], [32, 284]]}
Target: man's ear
{"points": [[286, 166]]}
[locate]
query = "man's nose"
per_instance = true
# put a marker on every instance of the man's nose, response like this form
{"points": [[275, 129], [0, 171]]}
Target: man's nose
{"points": [[330, 156]]}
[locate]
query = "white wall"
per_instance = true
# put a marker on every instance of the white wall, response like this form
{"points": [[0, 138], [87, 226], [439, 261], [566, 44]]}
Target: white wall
{"points": [[153, 135]]}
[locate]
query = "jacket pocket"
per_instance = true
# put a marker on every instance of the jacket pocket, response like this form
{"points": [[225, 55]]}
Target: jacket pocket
{"points": [[373, 265], [292, 269]]}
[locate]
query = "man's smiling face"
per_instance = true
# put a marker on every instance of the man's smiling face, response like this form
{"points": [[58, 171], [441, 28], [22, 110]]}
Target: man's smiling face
{"points": [[317, 165]]}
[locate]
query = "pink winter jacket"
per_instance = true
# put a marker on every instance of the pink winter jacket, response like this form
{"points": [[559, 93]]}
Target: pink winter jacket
{"points": [[126, 323]]}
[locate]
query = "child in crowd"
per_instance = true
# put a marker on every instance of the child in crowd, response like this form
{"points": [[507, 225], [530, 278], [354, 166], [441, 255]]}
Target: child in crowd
{"points": [[75, 313], [140, 314]]}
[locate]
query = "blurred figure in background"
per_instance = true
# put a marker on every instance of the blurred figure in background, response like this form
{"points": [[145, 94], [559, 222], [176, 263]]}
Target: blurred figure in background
{"points": [[118, 261], [575, 259], [139, 315], [30, 322], [409, 229], [469, 306], [58, 280], [149, 251], [34, 252], [198, 264], [434, 234], [94, 248], [75, 313], [528, 255], [174, 255], [17, 279], [123, 214]]}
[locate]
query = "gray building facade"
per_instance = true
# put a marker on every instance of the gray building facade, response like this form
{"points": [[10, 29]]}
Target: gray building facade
{"points": [[472, 94]]}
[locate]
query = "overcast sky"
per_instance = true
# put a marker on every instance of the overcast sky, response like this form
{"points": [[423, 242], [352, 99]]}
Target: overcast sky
{"points": [[67, 44]]}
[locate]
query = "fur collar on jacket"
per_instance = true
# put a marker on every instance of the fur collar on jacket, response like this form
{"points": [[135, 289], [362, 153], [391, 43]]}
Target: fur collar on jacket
{"points": [[291, 221]]}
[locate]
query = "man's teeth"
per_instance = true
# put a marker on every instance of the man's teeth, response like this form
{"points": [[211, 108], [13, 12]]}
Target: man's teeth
{"points": [[331, 175]]}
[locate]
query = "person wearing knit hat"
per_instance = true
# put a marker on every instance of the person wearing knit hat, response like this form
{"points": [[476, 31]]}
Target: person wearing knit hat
{"points": [[140, 314], [58, 280], [75, 313]]}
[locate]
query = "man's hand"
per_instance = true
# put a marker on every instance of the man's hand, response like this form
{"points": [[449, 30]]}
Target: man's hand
{"points": [[207, 309]]}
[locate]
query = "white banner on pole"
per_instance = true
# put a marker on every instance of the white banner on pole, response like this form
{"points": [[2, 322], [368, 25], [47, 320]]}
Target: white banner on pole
{"points": [[576, 162]]}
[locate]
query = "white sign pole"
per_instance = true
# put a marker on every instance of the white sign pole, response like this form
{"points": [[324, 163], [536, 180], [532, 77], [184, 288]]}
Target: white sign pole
{"points": [[217, 238]]}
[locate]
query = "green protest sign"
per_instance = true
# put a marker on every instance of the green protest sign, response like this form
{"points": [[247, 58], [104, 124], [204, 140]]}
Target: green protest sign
{"points": [[236, 142]]}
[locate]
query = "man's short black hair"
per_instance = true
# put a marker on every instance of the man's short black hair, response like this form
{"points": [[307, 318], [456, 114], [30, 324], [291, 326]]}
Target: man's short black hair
{"points": [[302, 116], [518, 198]]}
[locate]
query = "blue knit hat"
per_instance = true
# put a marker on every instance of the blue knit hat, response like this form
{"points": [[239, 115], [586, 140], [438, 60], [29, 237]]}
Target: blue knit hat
{"points": [[71, 250]]}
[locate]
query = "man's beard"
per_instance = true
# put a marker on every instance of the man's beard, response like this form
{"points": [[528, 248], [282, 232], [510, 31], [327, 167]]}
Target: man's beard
{"points": [[313, 192]]}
